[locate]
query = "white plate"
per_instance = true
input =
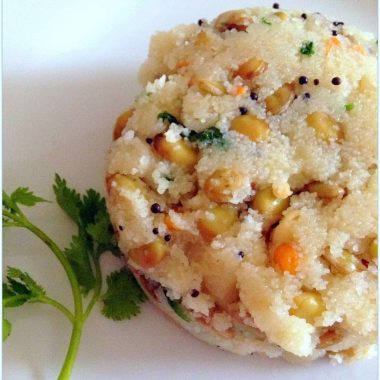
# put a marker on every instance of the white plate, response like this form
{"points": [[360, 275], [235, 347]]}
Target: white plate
{"points": [[69, 69]]}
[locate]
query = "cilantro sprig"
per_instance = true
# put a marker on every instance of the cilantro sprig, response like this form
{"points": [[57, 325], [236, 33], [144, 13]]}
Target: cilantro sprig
{"points": [[80, 261], [123, 297]]}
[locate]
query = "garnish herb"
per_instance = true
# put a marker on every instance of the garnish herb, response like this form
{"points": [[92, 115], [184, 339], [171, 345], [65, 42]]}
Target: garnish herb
{"points": [[265, 21], [178, 309], [210, 136], [168, 117], [307, 48], [80, 261], [349, 107], [123, 297]]}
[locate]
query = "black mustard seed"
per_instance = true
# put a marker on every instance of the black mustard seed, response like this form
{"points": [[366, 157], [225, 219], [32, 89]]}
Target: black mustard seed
{"points": [[304, 16], [195, 293], [316, 82], [155, 230], [254, 96], [336, 81], [276, 5], [167, 237], [155, 208], [302, 79], [243, 110], [149, 140]]}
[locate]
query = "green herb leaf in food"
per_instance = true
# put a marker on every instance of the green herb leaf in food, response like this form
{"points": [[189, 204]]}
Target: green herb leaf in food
{"points": [[265, 21], [349, 107], [210, 136], [307, 48], [123, 297], [178, 309], [168, 117]]}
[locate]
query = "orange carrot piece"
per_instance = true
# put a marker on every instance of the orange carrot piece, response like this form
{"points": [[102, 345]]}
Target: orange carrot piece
{"points": [[286, 258]]}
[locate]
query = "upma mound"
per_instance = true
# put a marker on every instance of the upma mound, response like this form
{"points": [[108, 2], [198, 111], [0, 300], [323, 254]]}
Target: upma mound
{"points": [[242, 183]]}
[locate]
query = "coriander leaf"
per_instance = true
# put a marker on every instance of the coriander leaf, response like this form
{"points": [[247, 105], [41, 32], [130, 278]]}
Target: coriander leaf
{"points": [[18, 287], [35, 289], [102, 234], [210, 136], [100, 229], [123, 297], [12, 299], [78, 256], [91, 205], [178, 309], [8, 203], [7, 292], [7, 328], [349, 107], [265, 21], [166, 116], [67, 198], [25, 197], [307, 48]]}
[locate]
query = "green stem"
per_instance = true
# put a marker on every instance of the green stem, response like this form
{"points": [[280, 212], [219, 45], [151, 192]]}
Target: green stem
{"points": [[78, 306], [10, 224], [72, 352], [43, 299], [12, 299], [52, 302], [97, 290]]}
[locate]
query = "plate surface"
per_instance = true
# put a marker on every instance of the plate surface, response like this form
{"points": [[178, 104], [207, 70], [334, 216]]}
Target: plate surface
{"points": [[69, 69]]}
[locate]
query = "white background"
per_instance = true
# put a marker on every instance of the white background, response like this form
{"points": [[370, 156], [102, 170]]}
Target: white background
{"points": [[69, 69]]}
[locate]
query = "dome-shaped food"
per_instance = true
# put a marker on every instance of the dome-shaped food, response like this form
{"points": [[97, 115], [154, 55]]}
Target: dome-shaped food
{"points": [[242, 183]]}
